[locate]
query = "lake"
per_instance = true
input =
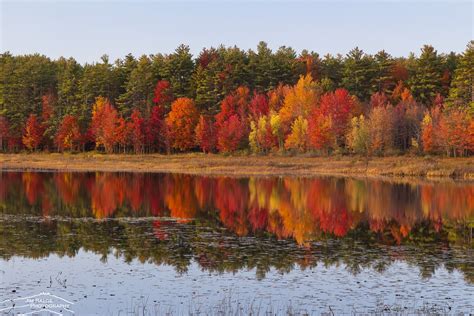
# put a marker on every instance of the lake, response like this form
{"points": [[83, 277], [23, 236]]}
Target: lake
{"points": [[175, 244]]}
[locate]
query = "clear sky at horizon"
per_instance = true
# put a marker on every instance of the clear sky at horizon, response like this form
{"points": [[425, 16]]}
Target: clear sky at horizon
{"points": [[87, 30]]}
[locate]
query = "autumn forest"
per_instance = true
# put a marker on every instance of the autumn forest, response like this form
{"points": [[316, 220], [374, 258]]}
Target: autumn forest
{"points": [[229, 100]]}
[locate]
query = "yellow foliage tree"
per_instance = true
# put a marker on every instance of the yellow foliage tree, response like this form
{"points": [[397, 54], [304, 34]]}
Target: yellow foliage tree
{"points": [[300, 100], [298, 138], [358, 137], [275, 123]]}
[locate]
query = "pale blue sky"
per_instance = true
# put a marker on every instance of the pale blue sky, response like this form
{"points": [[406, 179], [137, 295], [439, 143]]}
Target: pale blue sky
{"points": [[88, 29]]}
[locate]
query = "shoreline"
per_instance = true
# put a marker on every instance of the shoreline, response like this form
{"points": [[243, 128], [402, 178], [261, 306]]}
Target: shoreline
{"points": [[241, 165]]}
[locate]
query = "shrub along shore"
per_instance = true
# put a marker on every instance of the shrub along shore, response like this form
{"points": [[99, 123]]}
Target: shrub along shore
{"points": [[246, 165]]}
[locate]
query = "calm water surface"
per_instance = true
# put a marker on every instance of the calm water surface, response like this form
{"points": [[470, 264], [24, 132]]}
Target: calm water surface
{"points": [[153, 244]]}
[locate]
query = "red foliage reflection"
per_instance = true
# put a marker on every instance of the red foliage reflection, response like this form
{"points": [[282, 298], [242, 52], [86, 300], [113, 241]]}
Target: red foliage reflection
{"points": [[299, 208]]}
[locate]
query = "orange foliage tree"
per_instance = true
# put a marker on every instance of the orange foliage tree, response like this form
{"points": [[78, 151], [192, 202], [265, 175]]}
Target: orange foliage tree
{"points": [[103, 125], [430, 130], [454, 132], [68, 134], [320, 134], [471, 135], [427, 134], [182, 121], [276, 97], [33, 133], [381, 128], [122, 134], [300, 100]]}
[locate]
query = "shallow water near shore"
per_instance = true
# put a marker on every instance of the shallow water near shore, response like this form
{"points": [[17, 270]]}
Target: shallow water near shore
{"points": [[153, 244]]}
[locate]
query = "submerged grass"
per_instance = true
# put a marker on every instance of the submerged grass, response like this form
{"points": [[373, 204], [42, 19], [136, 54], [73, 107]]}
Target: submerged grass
{"points": [[229, 306]]}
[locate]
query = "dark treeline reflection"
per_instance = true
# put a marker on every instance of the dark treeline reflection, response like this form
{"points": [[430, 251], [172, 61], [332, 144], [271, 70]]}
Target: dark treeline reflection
{"points": [[303, 209], [227, 224], [215, 250]]}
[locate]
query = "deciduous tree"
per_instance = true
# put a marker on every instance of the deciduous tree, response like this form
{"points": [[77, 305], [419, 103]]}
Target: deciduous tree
{"points": [[358, 138], [155, 130], [33, 133], [232, 121], [381, 129], [230, 134], [182, 121], [430, 130], [276, 97], [338, 106], [454, 132], [298, 138], [277, 131], [378, 99], [261, 137], [427, 134], [258, 106], [137, 131], [300, 100], [103, 125], [321, 136], [68, 135], [206, 134], [122, 134], [163, 96]]}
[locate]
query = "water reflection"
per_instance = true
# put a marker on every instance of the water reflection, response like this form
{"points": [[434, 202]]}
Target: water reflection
{"points": [[215, 250], [361, 239], [303, 209]]}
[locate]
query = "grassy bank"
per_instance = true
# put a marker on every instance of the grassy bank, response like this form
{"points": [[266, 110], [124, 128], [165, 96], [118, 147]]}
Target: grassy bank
{"points": [[196, 163]]}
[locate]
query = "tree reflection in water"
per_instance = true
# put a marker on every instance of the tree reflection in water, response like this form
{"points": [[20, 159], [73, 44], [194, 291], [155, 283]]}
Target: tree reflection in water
{"points": [[227, 224]]}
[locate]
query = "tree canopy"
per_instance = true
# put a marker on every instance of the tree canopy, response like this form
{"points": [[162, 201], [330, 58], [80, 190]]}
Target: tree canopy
{"points": [[230, 99]]}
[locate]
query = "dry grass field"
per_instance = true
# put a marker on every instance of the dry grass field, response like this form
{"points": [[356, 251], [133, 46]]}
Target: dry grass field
{"points": [[243, 165]]}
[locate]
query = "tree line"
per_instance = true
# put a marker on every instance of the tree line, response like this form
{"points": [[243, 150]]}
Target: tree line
{"points": [[227, 99]]}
